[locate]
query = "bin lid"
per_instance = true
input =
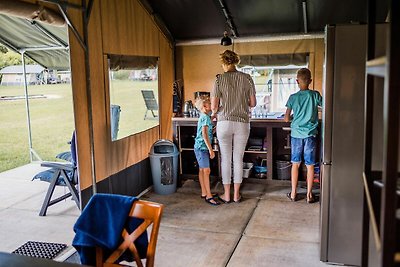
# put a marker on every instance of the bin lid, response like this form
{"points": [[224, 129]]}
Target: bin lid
{"points": [[163, 147]]}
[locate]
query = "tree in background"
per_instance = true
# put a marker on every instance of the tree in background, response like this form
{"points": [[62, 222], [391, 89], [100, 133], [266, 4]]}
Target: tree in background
{"points": [[3, 49], [10, 58]]}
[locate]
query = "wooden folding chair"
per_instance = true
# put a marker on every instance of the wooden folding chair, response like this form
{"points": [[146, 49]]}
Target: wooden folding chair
{"points": [[151, 213]]}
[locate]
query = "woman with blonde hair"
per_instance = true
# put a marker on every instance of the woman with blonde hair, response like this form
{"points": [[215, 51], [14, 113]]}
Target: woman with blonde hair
{"points": [[231, 99]]}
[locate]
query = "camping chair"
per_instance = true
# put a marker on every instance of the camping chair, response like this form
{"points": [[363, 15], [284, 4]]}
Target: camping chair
{"points": [[60, 174], [151, 213], [150, 102], [64, 174]]}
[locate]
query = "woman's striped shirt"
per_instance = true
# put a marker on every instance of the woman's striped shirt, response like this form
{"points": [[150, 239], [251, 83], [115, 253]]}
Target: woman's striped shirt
{"points": [[233, 88]]}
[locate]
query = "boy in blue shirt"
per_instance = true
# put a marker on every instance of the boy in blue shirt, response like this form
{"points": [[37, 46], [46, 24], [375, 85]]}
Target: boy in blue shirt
{"points": [[203, 149], [304, 129]]}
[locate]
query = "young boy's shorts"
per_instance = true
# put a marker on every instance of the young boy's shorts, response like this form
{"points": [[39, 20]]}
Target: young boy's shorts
{"points": [[203, 158], [304, 147]]}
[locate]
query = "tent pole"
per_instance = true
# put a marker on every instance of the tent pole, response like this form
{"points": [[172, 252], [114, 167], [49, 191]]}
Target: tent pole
{"points": [[32, 152], [28, 117], [85, 18]]}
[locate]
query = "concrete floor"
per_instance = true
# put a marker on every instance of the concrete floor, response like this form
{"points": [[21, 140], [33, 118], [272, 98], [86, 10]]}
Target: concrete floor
{"points": [[20, 203], [265, 229]]}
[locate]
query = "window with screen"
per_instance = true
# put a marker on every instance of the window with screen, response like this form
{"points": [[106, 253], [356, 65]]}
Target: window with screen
{"points": [[274, 78], [133, 83]]}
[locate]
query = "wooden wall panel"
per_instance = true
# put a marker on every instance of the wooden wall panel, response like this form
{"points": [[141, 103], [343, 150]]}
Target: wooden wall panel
{"points": [[129, 151], [78, 81], [319, 63], [197, 65], [167, 74], [115, 27], [275, 47], [101, 135], [128, 29]]}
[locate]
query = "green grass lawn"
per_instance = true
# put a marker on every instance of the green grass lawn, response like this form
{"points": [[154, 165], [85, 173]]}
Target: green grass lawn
{"points": [[128, 96], [52, 120]]}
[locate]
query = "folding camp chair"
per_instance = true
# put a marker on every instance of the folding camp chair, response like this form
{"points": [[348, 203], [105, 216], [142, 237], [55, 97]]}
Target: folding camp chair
{"points": [[65, 174], [62, 174], [150, 102]]}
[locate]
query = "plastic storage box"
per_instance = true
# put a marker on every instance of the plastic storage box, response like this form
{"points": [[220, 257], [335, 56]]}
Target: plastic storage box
{"points": [[247, 166]]}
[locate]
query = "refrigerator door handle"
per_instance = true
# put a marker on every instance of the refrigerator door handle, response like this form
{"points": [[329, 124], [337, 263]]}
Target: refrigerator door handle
{"points": [[327, 163]]}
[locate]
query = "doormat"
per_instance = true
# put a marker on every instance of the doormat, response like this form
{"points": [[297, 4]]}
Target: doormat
{"points": [[40, 249]]}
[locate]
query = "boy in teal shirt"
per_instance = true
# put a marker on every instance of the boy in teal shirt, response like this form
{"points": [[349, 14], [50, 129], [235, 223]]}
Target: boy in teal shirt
{"points": [[304, 129], [203, 149]]}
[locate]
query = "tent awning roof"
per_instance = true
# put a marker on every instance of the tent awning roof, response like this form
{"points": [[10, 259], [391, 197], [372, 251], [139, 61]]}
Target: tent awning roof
{"points": [[44, 43], [18, 69]]}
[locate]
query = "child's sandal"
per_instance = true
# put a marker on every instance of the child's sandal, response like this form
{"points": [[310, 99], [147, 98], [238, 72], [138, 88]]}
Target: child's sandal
{"points": [[211, 201]]}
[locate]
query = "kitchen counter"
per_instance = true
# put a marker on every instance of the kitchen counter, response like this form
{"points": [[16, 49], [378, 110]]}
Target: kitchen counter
{"points": [[271, 131], [263, 120]]}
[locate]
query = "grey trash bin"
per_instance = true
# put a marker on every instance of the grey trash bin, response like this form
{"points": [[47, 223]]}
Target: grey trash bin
{"points": [[164, 166]]}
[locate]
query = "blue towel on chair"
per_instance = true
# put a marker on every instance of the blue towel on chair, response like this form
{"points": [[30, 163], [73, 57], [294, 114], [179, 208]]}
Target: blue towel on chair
{"points": [[101, 224]]}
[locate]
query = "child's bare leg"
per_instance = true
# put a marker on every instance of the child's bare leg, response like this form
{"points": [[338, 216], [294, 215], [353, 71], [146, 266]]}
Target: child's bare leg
{"points": [[206, 182], [201, 180], [310, 180], [295, 178], [206, 186]]}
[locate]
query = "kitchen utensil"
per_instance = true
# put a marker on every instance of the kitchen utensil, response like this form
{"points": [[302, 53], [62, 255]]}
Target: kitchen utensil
{"points": [[187, 107], [200, 93]]}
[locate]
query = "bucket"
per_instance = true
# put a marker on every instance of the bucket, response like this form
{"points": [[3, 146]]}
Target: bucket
{"points": [[283, 169]]}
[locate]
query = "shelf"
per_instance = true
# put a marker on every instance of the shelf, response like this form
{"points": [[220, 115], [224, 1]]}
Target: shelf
{"points": [[192, 149], [372, 216], [377, 66], [255, 152], [379, 184], [247, 151]]}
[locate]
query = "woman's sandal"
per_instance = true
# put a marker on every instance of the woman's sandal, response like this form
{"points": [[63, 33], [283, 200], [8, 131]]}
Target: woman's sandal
{"points": [[223, 200], [239, 199], [289, 196], [211, 201]]}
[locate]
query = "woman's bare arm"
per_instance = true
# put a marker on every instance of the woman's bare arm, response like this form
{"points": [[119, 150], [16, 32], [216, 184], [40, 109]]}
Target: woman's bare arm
{"points": [[253, 101], [214, 104]]}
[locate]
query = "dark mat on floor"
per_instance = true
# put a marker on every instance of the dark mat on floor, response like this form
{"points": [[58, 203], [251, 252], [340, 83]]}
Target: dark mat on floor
{"points": [[40, 249]]}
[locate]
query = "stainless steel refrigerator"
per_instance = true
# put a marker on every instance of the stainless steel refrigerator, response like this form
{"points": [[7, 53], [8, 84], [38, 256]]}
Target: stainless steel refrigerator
{"points": [[342, 144]]}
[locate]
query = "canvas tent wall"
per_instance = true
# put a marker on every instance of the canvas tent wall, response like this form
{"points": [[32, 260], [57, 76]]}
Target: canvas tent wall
{"points": [[13, 75], [115, 27]]}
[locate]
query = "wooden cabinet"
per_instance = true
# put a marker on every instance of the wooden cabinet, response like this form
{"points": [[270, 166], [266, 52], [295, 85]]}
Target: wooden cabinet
{"points": [[268, 140]]}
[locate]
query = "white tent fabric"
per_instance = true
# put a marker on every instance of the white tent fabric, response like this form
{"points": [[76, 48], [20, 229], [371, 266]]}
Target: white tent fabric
{"points": [[44, 43]]}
